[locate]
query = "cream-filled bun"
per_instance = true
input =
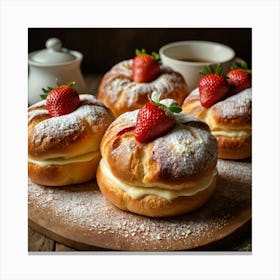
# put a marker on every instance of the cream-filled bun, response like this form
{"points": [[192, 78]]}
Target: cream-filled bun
{"points": [[230, 122], [170, 175], [121, 94], [65, 150]]}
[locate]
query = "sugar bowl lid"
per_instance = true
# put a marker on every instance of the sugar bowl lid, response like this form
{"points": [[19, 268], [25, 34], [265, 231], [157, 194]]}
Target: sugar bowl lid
{"points": [[53, 54]]}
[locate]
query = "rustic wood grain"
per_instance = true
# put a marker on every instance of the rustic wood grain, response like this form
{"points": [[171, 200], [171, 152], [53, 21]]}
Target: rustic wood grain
{"points": [[241, 244], [62, 248], [38, 242]]}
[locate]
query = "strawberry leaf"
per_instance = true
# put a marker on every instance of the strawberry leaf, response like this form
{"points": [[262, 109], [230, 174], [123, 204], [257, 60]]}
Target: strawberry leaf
{"points": [[241, 65], [71, 84], [48, 89], [139, 52], [219, 70], [175, 108], [207, 70], [44, 96], [154, 55]]}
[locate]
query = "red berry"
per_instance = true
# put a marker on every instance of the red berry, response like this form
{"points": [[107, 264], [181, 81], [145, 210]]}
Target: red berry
{"points": [[239, 79], [145, 68], [62, 100], [152, 122], [213, 87], [155, 119]]}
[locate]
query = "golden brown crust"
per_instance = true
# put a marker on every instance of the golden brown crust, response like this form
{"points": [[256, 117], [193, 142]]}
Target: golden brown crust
{"points": [[152, 205], [173, 161], [121, 94], [234, 147], [69, 135], [62, 175], [182, 160], [56, 144], [229, 120]]}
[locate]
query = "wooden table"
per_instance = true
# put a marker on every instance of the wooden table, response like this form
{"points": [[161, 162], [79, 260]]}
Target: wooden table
{"points": [[40, 243], [241, 241]]}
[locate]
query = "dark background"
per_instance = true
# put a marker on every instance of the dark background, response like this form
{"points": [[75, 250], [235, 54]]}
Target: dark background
{"points": [[104, 47]]}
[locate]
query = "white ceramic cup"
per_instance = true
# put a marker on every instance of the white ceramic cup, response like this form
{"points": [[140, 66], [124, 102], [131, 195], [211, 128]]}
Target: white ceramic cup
{"points": [[190, 57]]}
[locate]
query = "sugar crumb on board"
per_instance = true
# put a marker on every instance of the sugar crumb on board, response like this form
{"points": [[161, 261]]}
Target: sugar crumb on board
{"points": [[86, 210]]}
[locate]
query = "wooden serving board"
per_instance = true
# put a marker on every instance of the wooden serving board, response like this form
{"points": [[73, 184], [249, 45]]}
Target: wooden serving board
{"points": [[79, 216]]}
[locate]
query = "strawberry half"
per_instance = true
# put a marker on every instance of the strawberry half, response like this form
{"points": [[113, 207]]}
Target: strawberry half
{"points": [[145, 67], [154, 119], [61, 100], [239, 78], [213, 86]]}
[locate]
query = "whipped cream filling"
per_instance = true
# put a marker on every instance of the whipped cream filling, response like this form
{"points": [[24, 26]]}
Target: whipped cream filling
{"points": [[232, 132], [137, 192], [61, 161]]}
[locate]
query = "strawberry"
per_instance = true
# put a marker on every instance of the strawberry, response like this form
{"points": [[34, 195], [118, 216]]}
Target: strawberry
{"points": [[145, 67], [61, 100], [239, 78], [154, 119], [213, 86]]}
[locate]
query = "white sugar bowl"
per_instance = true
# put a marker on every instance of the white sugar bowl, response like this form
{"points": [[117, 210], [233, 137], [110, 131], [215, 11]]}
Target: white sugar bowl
{"points": [[51, 66]]}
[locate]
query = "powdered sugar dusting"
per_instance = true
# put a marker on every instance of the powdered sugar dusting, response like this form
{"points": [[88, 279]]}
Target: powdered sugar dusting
{"points": [[90, 99], [235, 106], [91, 112], [121, 88], [38, 104], [57, 127], [82, 214], [94, 115], [166, 82], [238, 105], [185, 151], [128, 118], [35, 113]]}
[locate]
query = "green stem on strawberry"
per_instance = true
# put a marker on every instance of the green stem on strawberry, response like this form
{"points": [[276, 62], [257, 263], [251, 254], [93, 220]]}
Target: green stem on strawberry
{"points": [[48, 89], [241, 65], [72, 84], [62, 100], [213, 86], [240, 78], [154, 55], [173, 108], [154, 119], [209, 70]]}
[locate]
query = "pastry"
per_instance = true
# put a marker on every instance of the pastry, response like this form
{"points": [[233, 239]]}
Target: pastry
{"points": [[168, 175], [224, 102], [229, 121], [121, 91], [65, 149]]}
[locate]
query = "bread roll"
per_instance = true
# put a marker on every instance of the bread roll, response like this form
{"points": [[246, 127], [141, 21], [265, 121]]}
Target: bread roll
{"points": [[121, 94], [66, 149], [229, 120], [171, 175]]}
